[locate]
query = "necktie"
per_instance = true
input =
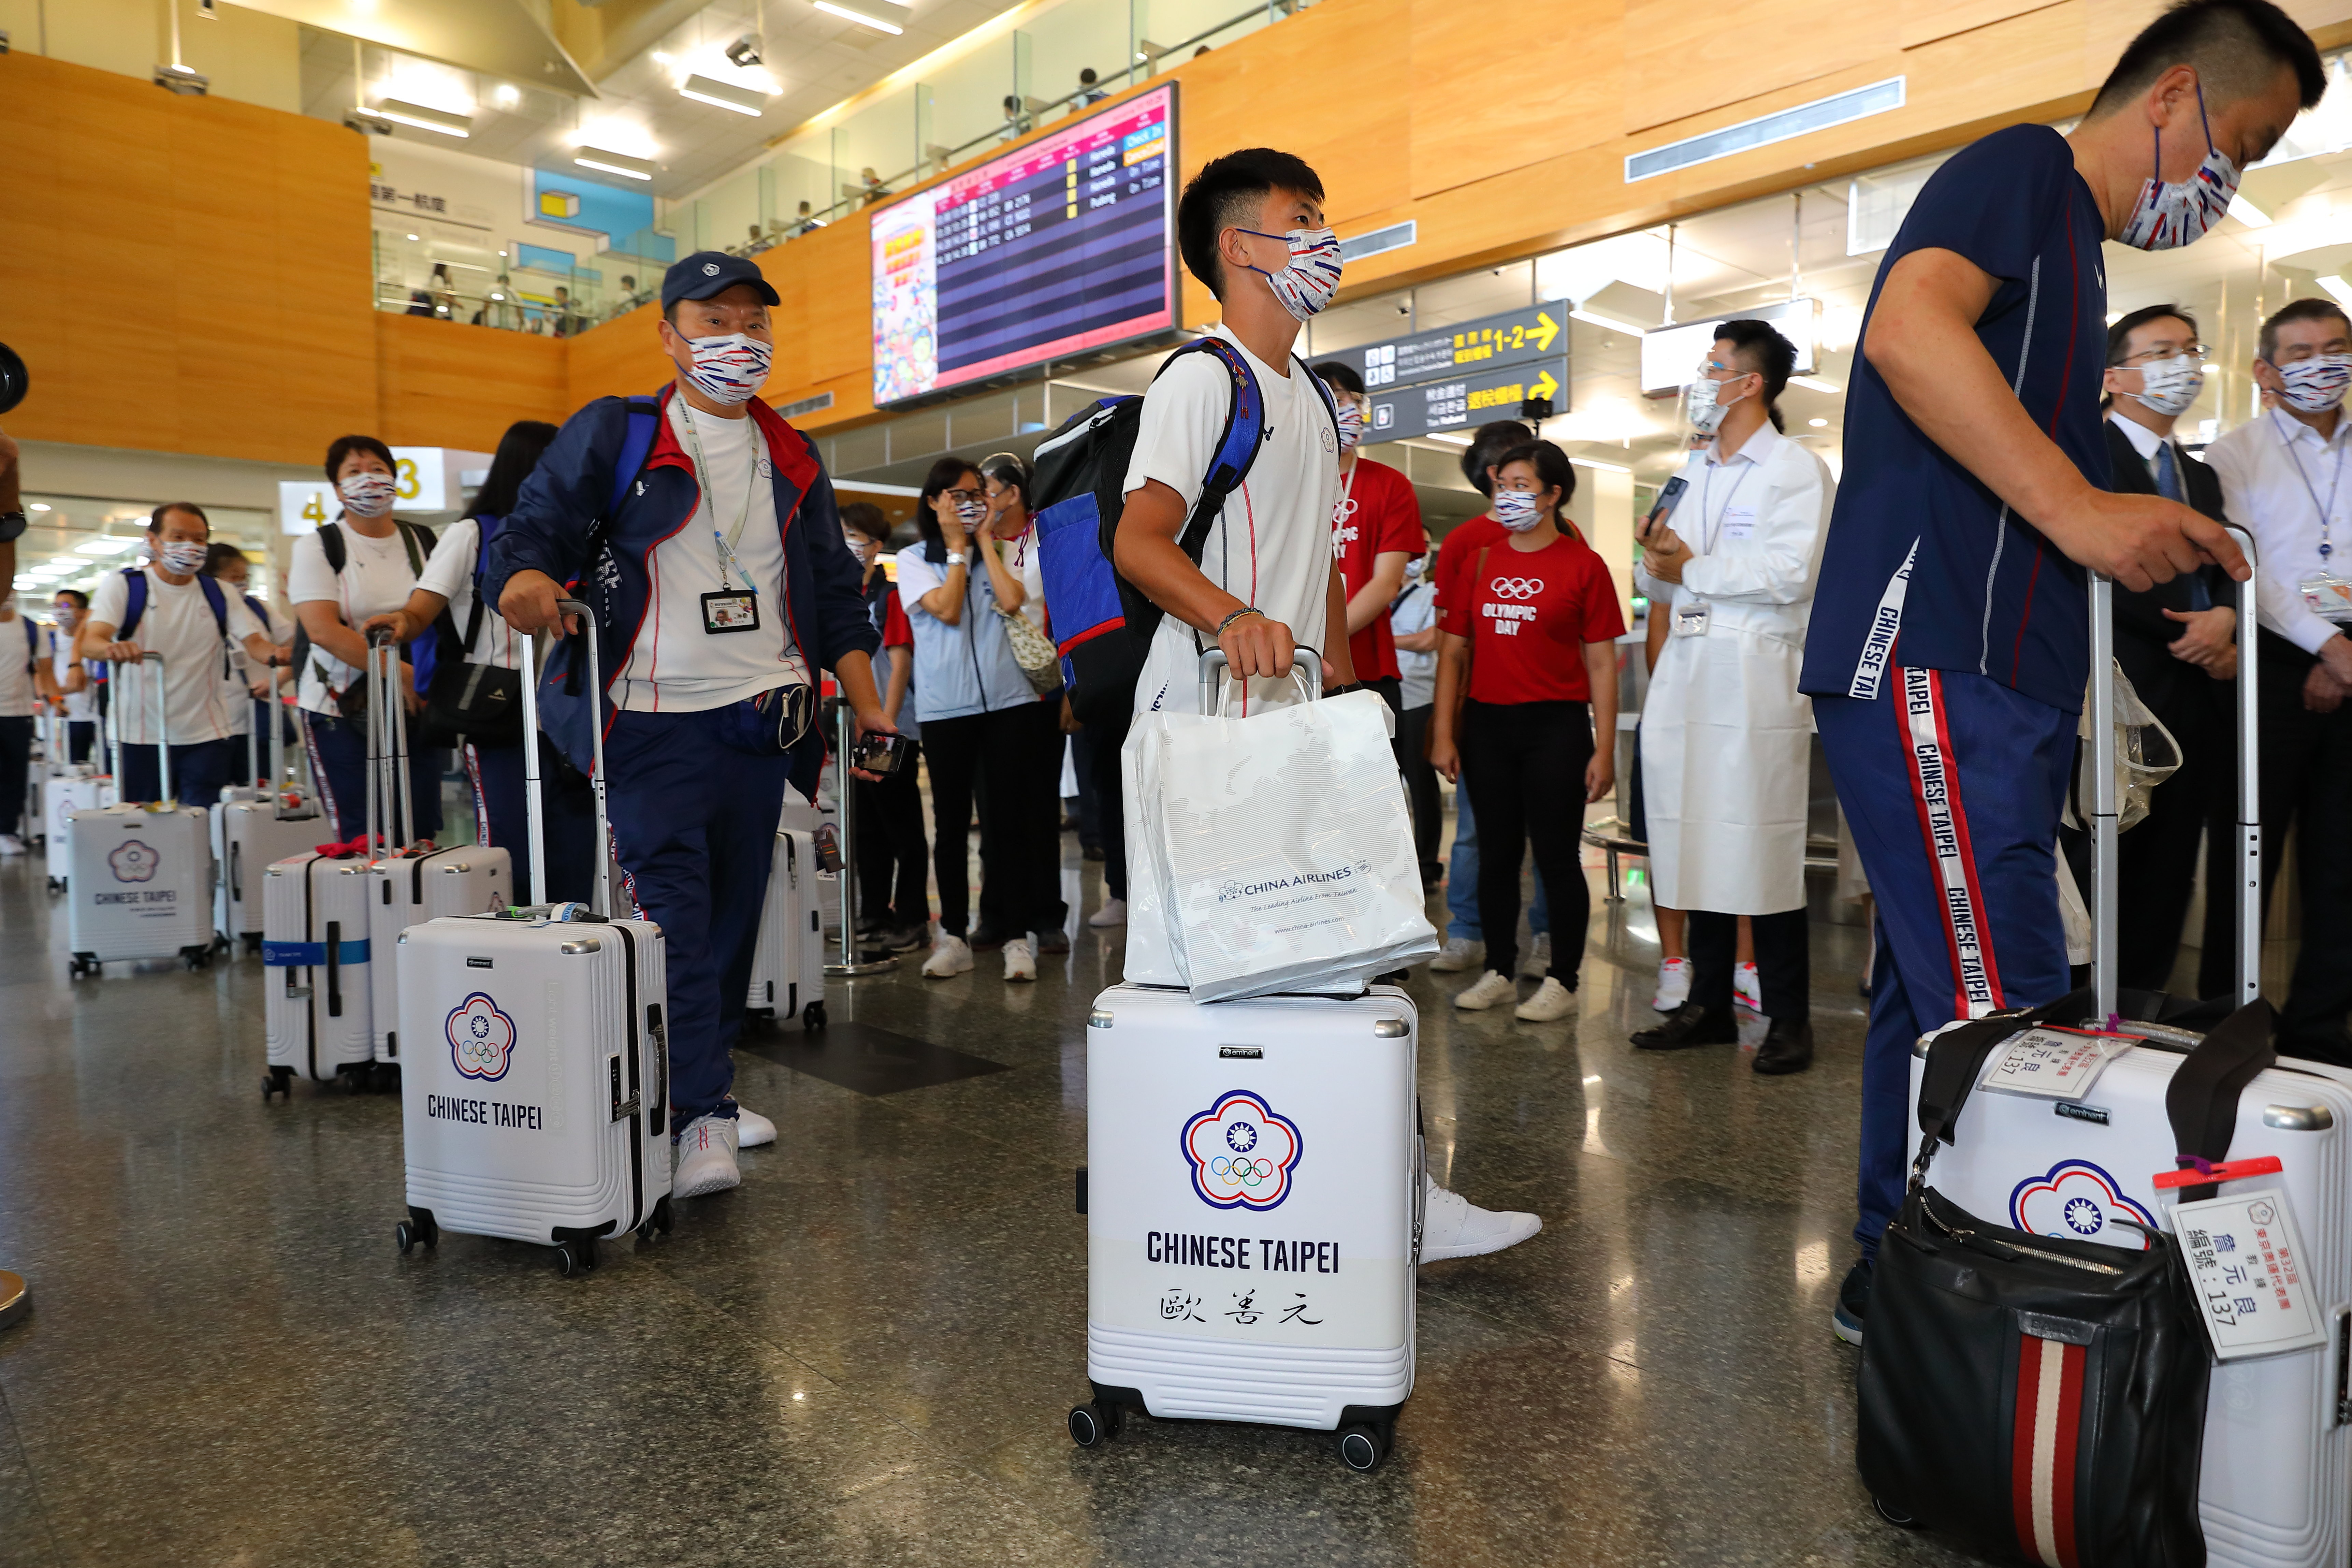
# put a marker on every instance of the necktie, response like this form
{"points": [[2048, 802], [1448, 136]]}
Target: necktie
{"points": [[2168, 484]]}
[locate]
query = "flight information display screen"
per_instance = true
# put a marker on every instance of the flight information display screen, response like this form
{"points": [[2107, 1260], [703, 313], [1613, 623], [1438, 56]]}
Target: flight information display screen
{"points": [[1066, 244]]}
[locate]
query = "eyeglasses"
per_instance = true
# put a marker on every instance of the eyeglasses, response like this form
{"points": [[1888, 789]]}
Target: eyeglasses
{"points": [[2161, 351], [958, 498]]}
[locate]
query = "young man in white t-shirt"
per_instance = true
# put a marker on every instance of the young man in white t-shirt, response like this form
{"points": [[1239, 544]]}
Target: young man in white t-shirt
{"points": [[70, 691], [168, 608], [23, 646], [1251, 228], [711, 556]]}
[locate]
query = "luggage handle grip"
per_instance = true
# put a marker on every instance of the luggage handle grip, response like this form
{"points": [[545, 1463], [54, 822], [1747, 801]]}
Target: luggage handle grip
{"points": [[1306, 672], [535, 807]]}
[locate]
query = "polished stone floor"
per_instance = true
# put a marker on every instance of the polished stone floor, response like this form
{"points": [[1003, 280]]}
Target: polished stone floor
{"points": [[864, 1355]]}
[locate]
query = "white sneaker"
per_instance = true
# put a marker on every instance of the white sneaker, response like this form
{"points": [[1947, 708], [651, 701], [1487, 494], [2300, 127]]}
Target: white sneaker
{"points": [[1453, 1226], [949, 955], [1673, 984], [1112, 913], [752, 1131], [11, 845], [1747, 988], [1551, 1002], [1493, 987], [706, 1158], [1537, 963], [1020, 960], [1459, 952]]}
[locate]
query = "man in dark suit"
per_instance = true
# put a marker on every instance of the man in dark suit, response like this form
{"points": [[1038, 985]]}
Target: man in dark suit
{"points": [[2176, 644]]}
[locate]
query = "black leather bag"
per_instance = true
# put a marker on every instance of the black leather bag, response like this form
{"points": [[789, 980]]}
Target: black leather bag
{"points": [[481, 703], [2039, 1398]]}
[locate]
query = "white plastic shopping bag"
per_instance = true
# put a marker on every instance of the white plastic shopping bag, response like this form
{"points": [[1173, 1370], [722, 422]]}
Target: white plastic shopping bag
{"points": [[1275, 850]]}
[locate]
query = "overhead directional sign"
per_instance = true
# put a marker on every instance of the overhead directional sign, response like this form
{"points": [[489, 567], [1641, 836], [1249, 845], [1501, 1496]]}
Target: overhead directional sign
{"points": [[1515, 337], [1465, 401]]}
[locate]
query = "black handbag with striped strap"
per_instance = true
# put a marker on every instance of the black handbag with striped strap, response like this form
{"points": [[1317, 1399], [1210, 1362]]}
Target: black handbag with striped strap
{"points": [[2039, 1398]]}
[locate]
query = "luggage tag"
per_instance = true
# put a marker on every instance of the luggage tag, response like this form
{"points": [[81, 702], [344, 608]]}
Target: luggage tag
{"points": [[2246, 1262], [1690, 617], [2328, 596], [2053, 1062]]}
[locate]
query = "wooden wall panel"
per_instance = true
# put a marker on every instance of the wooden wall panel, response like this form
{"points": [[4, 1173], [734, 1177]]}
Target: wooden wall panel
{"points": [[1924, 21], [182, 274], [1566, 86], [445, 384], [1683, 59]]}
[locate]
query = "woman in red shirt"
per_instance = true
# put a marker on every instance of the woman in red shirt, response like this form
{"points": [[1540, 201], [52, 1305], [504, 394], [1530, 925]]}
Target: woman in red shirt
{"points": [[1526, 675]]}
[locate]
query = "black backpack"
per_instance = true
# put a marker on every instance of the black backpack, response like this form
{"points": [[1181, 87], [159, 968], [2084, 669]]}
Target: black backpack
{"points": [[1079, 478], [418, 540]]}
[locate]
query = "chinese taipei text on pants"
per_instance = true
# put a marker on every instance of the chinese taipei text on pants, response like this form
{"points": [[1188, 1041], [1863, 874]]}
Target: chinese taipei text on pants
{"points": [[1952, 784]]}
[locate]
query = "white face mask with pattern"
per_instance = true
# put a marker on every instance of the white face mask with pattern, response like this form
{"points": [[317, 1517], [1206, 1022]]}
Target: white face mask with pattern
{"points": [[367, 495]]}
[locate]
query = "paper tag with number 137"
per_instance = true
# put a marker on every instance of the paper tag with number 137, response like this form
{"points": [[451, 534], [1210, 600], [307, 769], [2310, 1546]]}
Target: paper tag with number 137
{"points": [[2248, 1271]]}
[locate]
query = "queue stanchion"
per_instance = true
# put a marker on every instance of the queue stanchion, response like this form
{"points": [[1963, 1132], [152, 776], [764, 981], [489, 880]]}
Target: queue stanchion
{"points": [[851, 962]]}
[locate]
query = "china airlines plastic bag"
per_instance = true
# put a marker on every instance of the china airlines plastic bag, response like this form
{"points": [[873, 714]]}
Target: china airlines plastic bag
{"points": [[1271, 853]]}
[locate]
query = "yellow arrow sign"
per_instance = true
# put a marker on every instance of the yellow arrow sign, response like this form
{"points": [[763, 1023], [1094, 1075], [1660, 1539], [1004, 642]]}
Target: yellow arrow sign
{"points": [[1541, 336], [1543, 386]]}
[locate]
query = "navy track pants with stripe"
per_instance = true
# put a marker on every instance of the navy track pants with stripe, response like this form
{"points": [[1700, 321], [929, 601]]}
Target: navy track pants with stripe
{"points": [[1952, 786]]}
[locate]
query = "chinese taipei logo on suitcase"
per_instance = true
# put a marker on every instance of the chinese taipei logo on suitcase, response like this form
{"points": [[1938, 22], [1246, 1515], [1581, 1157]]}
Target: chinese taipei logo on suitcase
{"points": [[2075, 1198], [134, 861], [481, 1038], [1241, 1153]]}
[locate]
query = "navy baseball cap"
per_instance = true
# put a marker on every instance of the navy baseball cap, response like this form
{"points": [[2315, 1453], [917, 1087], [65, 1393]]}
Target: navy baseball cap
{"points": [[709, 272]]}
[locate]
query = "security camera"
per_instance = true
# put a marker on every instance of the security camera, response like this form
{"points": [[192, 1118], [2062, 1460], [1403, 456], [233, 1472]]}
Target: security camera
{"points": [[744, 51]]}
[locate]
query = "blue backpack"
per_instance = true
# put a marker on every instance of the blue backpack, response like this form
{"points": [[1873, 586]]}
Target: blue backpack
{"points": [[1078, 493], [135, 581]]}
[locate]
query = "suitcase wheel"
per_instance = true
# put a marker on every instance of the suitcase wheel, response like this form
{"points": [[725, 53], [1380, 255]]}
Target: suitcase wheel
{"points": [[656, 1222], [252, 944], [57, 886], [197, 957], [1899, 1519], [417, 1227], [1094, 1423], [277, 1080], [83, 963], [812, 1015], [1363, 1447], [575, 1257]]}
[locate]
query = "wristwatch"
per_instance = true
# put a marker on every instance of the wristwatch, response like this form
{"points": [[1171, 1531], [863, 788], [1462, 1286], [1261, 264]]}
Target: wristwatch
{"points": [[957, 558], [12, 525]]}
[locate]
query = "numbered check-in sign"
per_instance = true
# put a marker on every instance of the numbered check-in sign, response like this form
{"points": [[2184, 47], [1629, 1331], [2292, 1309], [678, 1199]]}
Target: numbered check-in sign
{"points": [[305, 505]]}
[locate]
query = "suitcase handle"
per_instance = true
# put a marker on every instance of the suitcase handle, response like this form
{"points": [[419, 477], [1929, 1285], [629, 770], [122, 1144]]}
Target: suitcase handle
{"points": [[535, 807], [334, 969], [163, 731], [1306, 670]]}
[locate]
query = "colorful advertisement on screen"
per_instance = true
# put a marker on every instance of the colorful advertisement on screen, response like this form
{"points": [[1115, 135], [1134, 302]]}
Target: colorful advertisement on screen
{"points": [[1065, 244]]}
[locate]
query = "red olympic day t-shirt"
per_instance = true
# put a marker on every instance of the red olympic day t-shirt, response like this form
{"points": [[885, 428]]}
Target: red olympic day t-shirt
{"points": [[1377, 514], [1527, 614]]}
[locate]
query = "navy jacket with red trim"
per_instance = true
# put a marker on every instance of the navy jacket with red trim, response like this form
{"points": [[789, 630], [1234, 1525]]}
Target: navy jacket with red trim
{"points": [[559, 517]]}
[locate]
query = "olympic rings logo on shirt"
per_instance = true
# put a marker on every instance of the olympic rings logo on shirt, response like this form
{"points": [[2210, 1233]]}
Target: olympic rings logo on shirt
{"points": [[1249, 1172], [1515, 587]]}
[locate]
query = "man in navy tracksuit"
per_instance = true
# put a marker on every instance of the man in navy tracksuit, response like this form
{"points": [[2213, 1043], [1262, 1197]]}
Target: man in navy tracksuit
{"points": [[1949, 643], [722, 588]]}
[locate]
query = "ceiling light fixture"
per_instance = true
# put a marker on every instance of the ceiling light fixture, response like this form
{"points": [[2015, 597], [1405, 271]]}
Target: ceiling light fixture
{"points": [[2246, 213], [105, 546], [1592, 318], [41, 506], [611, 163], [1597, 463], [1814, 383], [1818, 423], [401, 112], [742, 99], [2336, 288], [860, 17]]}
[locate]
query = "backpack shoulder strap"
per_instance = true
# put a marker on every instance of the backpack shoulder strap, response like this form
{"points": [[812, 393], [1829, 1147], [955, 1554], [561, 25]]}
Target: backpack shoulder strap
{"points": [[216, 599], [644, 420], [1331, 404], [330, 546], [134, 606], [417, 540], [1237, 443], [485, 530]]}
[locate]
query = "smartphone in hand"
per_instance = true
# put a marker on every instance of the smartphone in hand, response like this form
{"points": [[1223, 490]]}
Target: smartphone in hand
{"points": [[876, 752], [1670, 496]]}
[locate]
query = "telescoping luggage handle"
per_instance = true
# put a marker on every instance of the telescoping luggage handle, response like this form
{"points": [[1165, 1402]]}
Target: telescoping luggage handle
{"points": [[2106, 903], [535, 809], [1306, 672], [390, 803], [163, 801]]}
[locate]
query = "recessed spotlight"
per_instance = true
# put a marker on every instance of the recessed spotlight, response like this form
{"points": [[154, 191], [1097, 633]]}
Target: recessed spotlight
{"points": [[1818, 423], [411, 237], [41, 506]]}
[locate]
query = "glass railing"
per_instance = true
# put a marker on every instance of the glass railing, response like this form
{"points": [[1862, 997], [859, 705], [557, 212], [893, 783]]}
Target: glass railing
{"points": [[514, 285], [982, 100]]}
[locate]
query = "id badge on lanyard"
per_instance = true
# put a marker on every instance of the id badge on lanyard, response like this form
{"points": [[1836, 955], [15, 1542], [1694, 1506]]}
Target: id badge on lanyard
{"points": [[1690, 618], [729, 608], [2329, 595]]}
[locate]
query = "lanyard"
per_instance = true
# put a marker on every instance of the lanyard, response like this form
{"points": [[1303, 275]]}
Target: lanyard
{"points": [[726, 542], [1346, 509], [1705, 485], [2327, 511]]}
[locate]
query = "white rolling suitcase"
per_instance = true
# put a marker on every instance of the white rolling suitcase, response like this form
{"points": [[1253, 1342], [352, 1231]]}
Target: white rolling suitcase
{"points": [[1253, 1194], [140, 877], [788, 965], [2275, 1487], [83, 789], [314, 943], [249, 836], [535, 1092], [415, 881]]}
